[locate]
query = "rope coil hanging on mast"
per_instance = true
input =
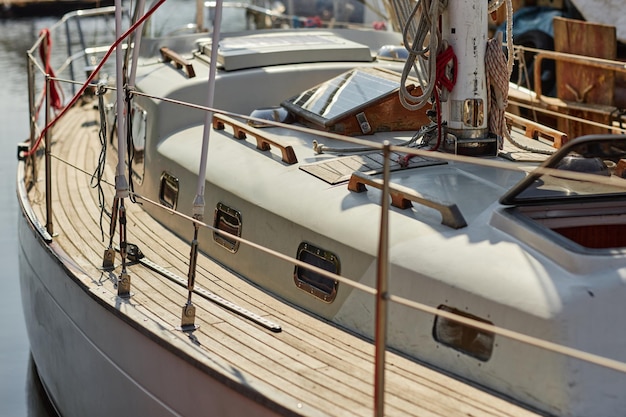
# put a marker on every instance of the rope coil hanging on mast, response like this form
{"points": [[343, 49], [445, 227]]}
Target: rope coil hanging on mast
{"points": [[433, 64], [422, 35], [420, 60]]}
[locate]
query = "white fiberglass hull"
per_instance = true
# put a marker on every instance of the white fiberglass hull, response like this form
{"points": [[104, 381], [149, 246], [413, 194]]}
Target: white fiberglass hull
{"points": [[95, 360]]}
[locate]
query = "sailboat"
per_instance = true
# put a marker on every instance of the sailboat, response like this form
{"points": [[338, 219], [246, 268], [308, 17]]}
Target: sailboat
{"points": [[310, 217]]}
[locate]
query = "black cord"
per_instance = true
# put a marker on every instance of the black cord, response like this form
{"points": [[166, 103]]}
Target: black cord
{"points": [[96, 177]]}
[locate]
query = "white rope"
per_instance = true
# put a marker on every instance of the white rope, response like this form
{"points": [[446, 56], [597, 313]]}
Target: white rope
{"points": [[419, 55], [509, 36], [422, 60], [492, 7]]}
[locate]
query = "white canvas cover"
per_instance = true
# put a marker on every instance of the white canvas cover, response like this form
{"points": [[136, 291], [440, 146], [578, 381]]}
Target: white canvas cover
{"points": [[608, 12]]}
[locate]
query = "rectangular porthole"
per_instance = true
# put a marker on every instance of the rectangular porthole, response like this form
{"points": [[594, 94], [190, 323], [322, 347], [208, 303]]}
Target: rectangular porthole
{"points": [[168, 190], [228, 220], [312, 282], [466, 339]]}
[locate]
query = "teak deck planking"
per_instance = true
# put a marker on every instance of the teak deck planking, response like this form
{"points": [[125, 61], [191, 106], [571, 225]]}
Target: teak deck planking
{"points": [[310, 360]]}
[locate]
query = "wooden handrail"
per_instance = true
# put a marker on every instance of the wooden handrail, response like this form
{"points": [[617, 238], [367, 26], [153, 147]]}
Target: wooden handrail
{"points": [[180, 62], [588, 61], [401, 197], [263, 143], [533, 130]]}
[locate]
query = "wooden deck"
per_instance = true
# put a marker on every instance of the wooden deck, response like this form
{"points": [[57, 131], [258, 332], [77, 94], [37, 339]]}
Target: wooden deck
{"points": [[325, 368]]}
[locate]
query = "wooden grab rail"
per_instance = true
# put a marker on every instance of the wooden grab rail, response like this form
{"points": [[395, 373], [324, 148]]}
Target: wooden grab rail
{"points": [[241, 130], [180, 62], [533, 130], [401, 197]]}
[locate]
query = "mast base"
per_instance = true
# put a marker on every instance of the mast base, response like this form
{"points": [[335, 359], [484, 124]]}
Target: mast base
{"points": [[487, 146]]}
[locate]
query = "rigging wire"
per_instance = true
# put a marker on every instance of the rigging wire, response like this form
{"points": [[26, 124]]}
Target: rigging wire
{"points": [[86, 84]]}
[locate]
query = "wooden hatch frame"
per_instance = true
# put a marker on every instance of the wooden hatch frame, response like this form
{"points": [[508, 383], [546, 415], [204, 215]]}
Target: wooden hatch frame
{"points": [[382, 114]]}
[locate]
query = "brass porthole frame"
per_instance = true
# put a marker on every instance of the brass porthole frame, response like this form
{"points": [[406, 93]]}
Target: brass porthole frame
{"points": [[461, 337], [327, 260], [169, 187], [220, 213]]}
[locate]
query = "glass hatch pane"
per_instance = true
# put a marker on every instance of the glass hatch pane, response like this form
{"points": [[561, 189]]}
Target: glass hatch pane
{"points": [[343, 94], [588, 168]]}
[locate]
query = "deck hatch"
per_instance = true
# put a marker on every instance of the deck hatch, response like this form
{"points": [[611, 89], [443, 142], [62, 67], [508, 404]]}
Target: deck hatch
{"points": [[463, 338], [312, 282], [343, 104], [228, 220], [168, 190], [584, 170], [260, 50]]}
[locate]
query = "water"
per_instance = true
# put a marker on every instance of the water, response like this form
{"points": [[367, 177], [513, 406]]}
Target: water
{"points": [[20, 392]]}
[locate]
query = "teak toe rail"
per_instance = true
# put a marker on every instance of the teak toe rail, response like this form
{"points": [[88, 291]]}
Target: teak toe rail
{"points": [[241, 130], [401, 197]]}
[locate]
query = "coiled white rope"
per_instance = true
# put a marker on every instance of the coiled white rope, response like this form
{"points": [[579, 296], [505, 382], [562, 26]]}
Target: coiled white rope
{"points": [[422, 60], [420, 56]]}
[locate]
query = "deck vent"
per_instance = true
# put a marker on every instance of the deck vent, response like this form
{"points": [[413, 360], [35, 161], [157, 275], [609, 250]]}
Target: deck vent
{"points": [[168, 190], [228, 220], [312, 282], [466, 339]]}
